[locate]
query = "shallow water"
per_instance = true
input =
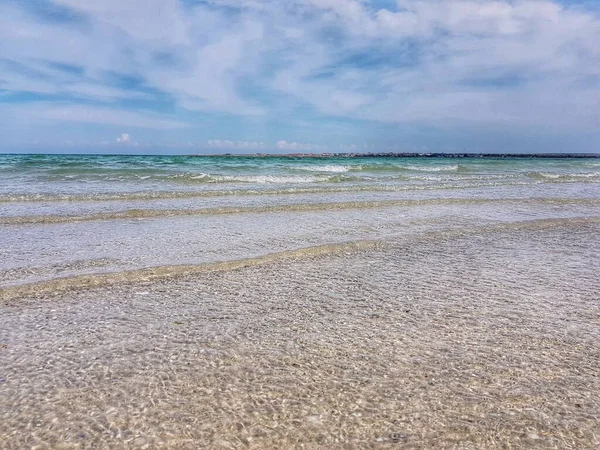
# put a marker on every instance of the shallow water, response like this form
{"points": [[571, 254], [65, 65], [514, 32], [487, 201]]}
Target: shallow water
{"points": [[67, 215], [415, 303], [484, 339]]}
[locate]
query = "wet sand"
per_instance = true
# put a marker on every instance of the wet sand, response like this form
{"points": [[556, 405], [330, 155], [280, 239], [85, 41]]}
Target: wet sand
{"points": [[473, 340]]}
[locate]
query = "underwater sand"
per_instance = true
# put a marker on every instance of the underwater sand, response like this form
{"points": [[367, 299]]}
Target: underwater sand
{"points": [[487, 338]]}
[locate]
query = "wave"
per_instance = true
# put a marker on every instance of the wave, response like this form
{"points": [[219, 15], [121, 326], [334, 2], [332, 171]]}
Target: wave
{"points": [[323, 189], [546, 176], [133, 214], [279, 179], [157, 195], [390, 167], [163, 213], [452, 168], [189, 178], [326, 168], [380, 168], [60, 286]]}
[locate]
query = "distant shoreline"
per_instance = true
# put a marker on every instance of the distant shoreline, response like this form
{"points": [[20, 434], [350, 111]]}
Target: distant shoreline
{"points": [[337, 155], [408, 155]]}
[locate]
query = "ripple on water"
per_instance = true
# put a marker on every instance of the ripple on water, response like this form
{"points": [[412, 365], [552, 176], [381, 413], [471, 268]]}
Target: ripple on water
{"points": [[486, 340]]}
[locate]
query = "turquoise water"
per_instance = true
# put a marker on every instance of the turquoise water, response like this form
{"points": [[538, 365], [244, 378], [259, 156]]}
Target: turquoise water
{"points": [[66, 215], [33, 176]]}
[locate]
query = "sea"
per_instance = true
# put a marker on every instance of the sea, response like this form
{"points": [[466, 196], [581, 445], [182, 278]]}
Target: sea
{"points": [[299, 302], [68, 215]]}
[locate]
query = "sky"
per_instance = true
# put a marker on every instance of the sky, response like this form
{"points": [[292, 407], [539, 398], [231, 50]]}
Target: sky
{"points": [[212, 76]]}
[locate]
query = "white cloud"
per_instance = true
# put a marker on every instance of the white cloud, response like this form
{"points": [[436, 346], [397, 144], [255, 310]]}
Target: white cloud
{"points": [[38, 112], [228, 144], [40, 78], [296, 146], [194, 54], [521, 63], [499, 63], [124, 138], [157, 20]]}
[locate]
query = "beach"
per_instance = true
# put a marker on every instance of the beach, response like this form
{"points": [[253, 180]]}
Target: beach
{"points": [[294, 303]]}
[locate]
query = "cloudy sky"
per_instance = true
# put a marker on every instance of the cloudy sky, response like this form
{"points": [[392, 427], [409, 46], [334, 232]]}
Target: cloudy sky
{"points": [[173, 76]]}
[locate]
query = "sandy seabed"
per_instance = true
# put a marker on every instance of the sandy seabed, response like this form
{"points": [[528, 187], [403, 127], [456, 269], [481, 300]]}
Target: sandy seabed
{"points": [[487, 340]]}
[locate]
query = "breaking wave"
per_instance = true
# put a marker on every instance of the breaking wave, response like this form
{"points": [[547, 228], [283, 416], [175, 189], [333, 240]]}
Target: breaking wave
{"points": [[565, 177], [327, 168]]}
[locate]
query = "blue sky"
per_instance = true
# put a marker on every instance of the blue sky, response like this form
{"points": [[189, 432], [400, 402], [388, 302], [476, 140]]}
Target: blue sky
{"points": [[198, 76]]}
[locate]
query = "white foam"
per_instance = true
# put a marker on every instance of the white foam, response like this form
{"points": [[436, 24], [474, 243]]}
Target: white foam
{"points": [[326, 168], [200, 176], [270, 179], [554, 176], [586, 175], [550, 175], [452, 168]]}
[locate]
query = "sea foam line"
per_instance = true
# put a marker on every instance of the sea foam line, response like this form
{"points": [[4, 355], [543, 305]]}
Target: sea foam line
{"points": [[163, 213], [160, 195], [61, 286], [299, 207], [331, 168]]}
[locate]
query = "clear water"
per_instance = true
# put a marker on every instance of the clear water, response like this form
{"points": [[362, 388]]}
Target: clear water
{"points": [[66, 215], [213, 302]]}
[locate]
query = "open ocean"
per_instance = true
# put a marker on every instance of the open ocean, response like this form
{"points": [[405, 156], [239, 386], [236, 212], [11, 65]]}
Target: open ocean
{"points": [[280, 302]]}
